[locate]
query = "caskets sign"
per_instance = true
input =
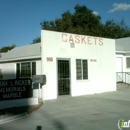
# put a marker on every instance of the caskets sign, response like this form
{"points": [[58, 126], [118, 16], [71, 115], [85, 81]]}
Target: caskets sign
{"points": [[15, 89]]}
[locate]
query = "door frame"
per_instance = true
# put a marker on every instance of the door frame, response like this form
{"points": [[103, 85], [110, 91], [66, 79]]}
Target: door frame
{"points": [[65, 59], [120, 71]]}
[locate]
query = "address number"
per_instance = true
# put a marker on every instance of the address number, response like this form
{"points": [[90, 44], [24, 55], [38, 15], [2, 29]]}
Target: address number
{"points": [[49, 59]]}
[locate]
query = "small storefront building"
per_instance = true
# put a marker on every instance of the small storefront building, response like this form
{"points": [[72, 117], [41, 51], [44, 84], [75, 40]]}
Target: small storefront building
{"points": [[77, 64], [74, 65]]}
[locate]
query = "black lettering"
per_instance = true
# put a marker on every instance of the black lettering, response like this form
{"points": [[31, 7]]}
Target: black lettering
{"points": [[7, 89], [22, 82], [11, 84], [1, 90], [4, 83], [24, 88], [28, 82], [12, 95]]}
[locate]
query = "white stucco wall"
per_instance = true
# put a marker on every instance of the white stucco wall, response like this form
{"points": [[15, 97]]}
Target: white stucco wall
{"points": [[125, 66], [121, 68], [38, 67], [121, 63], [8, 70], [102, 73]]}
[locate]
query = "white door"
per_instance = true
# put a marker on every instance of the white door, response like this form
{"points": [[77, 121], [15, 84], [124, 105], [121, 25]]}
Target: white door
{"points": [[63, 77], [119, 64], [119, 69]]}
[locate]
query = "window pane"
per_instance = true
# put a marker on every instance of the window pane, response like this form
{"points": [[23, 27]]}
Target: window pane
{"points": [[78, 69], [128, 62], [33, 68], [1, 74], [25, 70], [17, 70], [85, 69]]}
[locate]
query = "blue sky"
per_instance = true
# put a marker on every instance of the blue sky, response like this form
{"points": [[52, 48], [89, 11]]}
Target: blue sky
{"points": [[20, 19]]}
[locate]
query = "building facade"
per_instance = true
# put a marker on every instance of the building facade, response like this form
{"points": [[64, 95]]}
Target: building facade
{"points": [[19, 63], [77, 64], [73, 64], [123, 60]]}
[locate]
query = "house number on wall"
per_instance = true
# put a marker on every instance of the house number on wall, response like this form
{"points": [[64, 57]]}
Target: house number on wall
{"points": [[49, 59]]}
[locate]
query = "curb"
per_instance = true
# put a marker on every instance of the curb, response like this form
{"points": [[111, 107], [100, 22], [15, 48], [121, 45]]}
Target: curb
{"points": [[13, 118], [35, 108], [19, 116]]}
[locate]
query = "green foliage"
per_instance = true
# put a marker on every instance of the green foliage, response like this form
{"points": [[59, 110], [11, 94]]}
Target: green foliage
{"points": [[83, 21], [114, 29], [36, 40], [7, 48]]}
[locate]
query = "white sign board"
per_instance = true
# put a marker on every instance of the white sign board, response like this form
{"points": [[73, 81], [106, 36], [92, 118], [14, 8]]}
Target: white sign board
{"points": [[39, 79]]}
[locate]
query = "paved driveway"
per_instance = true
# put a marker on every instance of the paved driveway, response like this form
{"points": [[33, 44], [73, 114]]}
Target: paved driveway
{"points": [[91, 112]]}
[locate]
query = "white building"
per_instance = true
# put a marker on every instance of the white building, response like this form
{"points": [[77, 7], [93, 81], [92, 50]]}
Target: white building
{"points": [[20, 62], [87, 64], [73, 64], [123, 60]]}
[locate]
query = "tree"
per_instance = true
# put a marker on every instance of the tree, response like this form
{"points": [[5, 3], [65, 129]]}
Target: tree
{"points": [[36, 40], [83, 21], [7, 48], [114, 29]]}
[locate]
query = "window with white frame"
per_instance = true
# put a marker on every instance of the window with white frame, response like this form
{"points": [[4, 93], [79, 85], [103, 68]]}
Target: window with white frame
{"points": [[26, 69], [127, 62], [81, 69]]}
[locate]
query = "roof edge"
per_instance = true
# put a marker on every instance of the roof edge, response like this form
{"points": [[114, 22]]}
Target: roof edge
{"points": [[23, 58]]}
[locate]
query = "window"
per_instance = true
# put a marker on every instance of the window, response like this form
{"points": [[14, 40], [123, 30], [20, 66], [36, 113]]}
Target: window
{"points": [[128, 62], [26, 69], [18, 70], [78, 69], [85, 69], [33, 68], [81, 69], [1, 74]]}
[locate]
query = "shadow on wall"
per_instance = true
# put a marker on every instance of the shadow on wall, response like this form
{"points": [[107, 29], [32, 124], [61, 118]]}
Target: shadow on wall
{"points": [[5, 76]]}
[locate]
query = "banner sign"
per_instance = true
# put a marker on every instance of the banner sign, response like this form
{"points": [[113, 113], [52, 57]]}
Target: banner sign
{"points": [[15, 89]]}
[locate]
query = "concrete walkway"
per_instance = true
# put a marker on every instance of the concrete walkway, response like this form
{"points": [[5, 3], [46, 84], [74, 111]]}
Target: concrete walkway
{"points": [[90, 112]]}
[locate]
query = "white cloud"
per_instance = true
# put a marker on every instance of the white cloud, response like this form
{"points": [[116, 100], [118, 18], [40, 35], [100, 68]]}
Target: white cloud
{"points": [[119, 7], [95, 13]]}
